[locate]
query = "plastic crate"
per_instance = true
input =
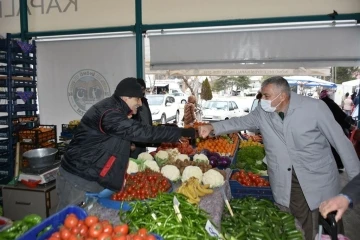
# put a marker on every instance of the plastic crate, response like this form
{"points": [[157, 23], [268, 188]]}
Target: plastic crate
{"points": [[6, 173], [26, 147], [25, 107], [38, 135], [55, 221], [240, 191], [23, 71], [67, 128], [5, 146], [16, 58], [4, 157]]}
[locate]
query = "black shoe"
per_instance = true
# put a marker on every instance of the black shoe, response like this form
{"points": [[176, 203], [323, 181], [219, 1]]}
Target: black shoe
{"points": [[341, 170]]}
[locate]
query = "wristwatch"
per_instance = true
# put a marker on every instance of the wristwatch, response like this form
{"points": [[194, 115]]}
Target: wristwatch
{"points": [[348, 198]]}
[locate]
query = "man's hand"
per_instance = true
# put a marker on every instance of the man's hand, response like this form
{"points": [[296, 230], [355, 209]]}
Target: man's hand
{"points": [[132, 147], [205, 130], [338, 203]]}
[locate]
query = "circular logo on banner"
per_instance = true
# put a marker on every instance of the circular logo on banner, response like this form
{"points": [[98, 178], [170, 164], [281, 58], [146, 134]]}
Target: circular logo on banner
{"points": [[86, 88]]}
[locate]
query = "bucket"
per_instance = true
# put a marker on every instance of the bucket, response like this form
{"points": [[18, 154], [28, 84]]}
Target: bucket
{"points": [[41, 157]]}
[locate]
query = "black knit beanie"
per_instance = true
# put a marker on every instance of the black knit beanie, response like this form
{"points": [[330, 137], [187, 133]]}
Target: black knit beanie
{"points": [[128, 87], [141, 82]]}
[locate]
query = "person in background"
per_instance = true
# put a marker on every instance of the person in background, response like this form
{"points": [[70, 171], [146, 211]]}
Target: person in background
{"points": [[353, 95], [98, 155], [189, 111], [348, 105], [342, 100], [144, 116], [349, 196], [259, 96], [356, 99], [297, 133], [341, 118]]}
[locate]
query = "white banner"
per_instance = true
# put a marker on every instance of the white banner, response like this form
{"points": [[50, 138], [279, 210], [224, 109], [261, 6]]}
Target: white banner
{"points": [[74, 75], [244, 72]]}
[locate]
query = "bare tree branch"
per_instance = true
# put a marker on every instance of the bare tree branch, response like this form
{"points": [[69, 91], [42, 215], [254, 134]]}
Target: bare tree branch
{"points": [[188, 85]]}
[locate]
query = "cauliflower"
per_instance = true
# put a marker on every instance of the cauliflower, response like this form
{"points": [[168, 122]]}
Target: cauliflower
{"points": [[182, 157], [132, 167], [201, 158], [213, 178], [192, 171], [162, 157], [173, 152], [145, 156], [152, 165], [171, 172]]}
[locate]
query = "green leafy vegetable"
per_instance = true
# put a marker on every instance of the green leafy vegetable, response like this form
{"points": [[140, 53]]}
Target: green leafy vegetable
{"points": [[250, 158]]}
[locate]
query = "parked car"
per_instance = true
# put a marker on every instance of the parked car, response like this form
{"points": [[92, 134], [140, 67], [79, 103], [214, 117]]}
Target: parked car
{"points": [[217, 110], [180, 97], [163, 108]]}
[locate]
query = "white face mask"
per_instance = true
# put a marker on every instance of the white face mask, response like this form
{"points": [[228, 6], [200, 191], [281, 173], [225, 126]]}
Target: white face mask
{"points": [[266, 104]]}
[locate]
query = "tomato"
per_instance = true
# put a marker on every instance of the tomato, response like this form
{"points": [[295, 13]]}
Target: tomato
{"points": [[123, 229], [53, 238], [104, 236], [90, 220], [80, 223], [65, 233], [118, 236], [75, 230], [75, 237], [71, 221], [150, 237], [137, 237], [108, 228], [95, 230], [56, 235], [142, 232], [83, 230]]}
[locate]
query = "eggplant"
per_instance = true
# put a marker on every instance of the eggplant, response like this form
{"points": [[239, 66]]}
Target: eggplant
{"points": [[206, 152], [224, 162], [213, 161], [215, 154]]}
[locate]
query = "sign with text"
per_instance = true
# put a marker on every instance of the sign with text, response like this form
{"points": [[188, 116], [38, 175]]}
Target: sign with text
{"points": [[49, 15]]}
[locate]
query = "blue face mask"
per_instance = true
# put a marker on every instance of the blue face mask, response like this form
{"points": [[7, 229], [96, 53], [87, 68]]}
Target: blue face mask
{"points": [[266, 104]]}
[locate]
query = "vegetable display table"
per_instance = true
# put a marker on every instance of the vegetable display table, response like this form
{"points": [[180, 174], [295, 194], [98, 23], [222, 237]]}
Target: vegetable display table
{"points": [[212, 204]]}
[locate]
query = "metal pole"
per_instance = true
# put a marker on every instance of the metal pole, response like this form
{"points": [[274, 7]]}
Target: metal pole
{"points": [[139, 40], [24, 26]]}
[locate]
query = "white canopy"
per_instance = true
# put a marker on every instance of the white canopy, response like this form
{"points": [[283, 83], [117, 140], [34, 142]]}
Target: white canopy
{"points": [[352, 83], [309, 81]]}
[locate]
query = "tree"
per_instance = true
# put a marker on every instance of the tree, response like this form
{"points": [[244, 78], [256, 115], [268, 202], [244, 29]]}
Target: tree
{"points": [[226, 82], [206, 93], [344, 74], [193, 84], [220, 84]]}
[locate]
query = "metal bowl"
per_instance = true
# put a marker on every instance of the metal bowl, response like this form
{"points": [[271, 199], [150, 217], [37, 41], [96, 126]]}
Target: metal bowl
{"points": [[41, 157]]}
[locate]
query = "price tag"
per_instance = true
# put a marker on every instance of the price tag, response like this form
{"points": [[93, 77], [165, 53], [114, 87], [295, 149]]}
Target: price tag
{"points": [[211, 229]]}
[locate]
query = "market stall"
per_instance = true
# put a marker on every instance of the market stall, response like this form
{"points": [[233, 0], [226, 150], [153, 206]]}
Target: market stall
{"points": [[214, 189]]}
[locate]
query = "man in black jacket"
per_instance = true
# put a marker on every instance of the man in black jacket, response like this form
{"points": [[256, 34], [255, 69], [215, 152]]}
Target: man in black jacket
{"points": [[98, 155], [144, 116]]}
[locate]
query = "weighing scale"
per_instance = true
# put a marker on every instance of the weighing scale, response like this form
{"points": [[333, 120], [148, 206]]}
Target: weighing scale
{"points": [[44, 175]]}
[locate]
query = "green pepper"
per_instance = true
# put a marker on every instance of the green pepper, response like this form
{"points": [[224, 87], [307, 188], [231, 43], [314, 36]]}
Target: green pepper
{"points": [[32, 219]]}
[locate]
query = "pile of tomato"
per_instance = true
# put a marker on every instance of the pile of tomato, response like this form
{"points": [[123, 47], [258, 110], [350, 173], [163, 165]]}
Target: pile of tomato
{"points": [[249, 179], [142, 185], [92, 229]]}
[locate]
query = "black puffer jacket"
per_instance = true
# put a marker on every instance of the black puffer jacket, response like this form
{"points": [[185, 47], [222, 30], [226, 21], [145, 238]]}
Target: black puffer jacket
{"points": [[100, 148]]}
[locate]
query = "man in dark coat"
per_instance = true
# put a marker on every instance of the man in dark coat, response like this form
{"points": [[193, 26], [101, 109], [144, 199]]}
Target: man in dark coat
{"points": [[98, 155], [144, 116], [341, 118]]}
